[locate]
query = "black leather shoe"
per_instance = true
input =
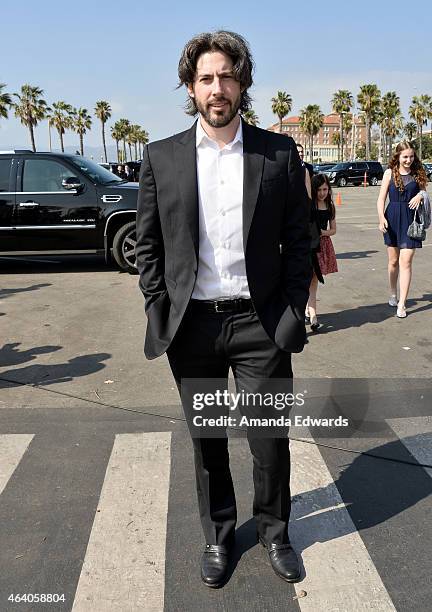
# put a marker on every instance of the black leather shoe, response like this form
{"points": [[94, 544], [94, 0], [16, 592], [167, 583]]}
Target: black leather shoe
{"points": [[214, 565], [284, 561]]}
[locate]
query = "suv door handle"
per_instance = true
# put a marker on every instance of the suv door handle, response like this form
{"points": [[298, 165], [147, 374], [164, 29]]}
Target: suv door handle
{"points": [[28, 204]]}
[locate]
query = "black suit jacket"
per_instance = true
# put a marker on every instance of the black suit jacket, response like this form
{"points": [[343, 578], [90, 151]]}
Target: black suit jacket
{"points": [[275, 235]]}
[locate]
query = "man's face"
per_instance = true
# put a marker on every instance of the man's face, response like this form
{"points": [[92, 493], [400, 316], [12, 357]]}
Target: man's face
{"points": [[215, 90], [300, 152]]}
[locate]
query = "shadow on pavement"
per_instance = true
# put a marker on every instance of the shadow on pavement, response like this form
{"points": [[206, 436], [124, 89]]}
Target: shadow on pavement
{"points": [[370, 313], [373, 491], [355, 254], [11, 355], [5, 293], [50, 374], [55, 264]]}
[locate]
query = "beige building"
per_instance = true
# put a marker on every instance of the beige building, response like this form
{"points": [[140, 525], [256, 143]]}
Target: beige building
{"points": [[323, 148]]}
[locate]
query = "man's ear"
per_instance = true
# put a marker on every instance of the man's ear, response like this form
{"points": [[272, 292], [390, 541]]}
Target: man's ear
{"points": [[190, 90]]}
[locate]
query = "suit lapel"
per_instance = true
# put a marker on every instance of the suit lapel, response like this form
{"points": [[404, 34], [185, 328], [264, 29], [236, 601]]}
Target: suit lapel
{"points": [[253, 161], [186, 167]]}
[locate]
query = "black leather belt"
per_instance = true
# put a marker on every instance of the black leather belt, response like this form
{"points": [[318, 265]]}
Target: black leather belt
{"points": [[220, 306]]}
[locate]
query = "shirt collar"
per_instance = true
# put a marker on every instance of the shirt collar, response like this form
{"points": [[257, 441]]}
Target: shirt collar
{"points": [[202, 136]]}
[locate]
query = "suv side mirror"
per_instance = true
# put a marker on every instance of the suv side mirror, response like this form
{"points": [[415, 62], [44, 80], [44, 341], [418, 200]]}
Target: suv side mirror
{"points": [[72, 182]]}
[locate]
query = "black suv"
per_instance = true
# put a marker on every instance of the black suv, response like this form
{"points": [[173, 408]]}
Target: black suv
{"points": [[354, 172], [53, 203], [320, 168]]}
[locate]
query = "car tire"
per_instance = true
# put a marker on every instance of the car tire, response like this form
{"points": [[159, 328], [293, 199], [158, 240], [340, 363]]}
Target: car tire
{"points": [[373, 181], [124, 247], [342, 182]]}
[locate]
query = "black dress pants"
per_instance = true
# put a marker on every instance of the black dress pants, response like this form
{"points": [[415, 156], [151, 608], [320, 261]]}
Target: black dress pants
{"points": [[206, 346]]}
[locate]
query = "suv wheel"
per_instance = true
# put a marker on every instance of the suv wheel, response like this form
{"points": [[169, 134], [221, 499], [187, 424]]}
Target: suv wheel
{"points": [[342, 182], [374, 181], [124, 247]]}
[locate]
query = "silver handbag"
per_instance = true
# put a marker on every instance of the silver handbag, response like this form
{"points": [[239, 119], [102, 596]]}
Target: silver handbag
{"points": [[417, 230]]}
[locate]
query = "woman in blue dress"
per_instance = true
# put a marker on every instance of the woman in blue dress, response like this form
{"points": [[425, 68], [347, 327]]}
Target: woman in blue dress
{"points": [[404, 182]]}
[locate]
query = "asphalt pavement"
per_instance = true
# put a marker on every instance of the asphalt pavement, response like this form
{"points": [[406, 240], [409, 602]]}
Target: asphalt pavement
{"points": [[97, 494]]}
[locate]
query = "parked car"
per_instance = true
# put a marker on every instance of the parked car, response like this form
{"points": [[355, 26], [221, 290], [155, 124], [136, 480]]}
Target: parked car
{"points": [[354, 172], [320, 168], [56, 203], [428, 170]]}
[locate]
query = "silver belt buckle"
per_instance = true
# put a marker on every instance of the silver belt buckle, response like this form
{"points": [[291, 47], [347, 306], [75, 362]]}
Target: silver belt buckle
{"points": [[217, 307]]}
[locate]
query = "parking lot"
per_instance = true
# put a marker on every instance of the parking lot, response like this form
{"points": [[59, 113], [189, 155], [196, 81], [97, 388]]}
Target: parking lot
{"points": [[72, 323], [72, 371]]}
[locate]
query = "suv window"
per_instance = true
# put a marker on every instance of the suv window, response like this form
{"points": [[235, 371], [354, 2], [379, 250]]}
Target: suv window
{"points": [[361, 166], [375, 166], [44, 175], [342, 166], [5, 166], [95, 171]]}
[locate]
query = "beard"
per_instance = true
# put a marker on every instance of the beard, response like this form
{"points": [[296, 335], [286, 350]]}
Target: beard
{"points": [[219, 117]]}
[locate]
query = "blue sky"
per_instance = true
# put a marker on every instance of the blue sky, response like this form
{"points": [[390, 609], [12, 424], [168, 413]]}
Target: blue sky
{"points": [[127, 53]]}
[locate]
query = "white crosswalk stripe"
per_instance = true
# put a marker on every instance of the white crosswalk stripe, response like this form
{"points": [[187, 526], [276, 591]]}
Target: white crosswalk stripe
{"points": [[12, 448], [124, 567], [340, 574]]}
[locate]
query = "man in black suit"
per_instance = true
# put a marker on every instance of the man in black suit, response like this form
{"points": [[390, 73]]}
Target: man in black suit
{"points": [[223, 255], [309, 171]]}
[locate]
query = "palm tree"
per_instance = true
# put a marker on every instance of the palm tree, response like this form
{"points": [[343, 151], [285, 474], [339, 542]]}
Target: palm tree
{"points": [[49, 118], [130, 139], [369, 100], [134, 138], [311, 120], [390, 119], [62, 119], [81, 122], [143, 140], [410, 128], [420, 110], [5, 102], [123, 126], [30, 108], [347, 120], [117, 134], [251, 117], [281, 106], [342, 102], [336, 140], [103, 113]]}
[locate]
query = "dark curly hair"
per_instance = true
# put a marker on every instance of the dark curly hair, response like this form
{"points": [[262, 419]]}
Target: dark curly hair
{"points": [[417, 170], [230, 43]]}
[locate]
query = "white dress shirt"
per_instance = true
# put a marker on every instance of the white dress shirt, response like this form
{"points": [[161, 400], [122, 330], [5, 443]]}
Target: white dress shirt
{"points": [[221, 263]]}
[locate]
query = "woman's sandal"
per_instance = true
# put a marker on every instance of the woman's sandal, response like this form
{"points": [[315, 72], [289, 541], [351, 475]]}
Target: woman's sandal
{"points": [[401, 312]]}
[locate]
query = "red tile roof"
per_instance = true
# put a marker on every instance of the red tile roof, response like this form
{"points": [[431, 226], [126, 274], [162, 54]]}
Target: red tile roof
{"points": [[331, 119]]}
